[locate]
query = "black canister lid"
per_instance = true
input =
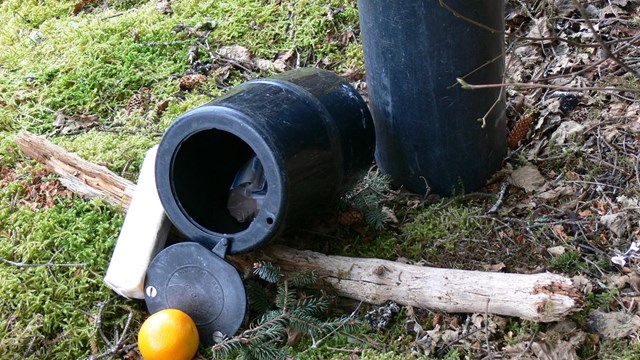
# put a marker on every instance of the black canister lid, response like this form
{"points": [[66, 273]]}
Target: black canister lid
{"points": [[188, 277]]}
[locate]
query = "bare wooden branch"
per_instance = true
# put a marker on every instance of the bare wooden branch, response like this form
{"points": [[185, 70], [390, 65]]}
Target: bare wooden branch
{"points": [[539, 297], [81, 176], [467, 19], [466, 85], [607, 52]]}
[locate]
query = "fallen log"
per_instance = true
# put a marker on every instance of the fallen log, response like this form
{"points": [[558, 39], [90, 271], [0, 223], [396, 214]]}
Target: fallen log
{"points": [[542, 297]]}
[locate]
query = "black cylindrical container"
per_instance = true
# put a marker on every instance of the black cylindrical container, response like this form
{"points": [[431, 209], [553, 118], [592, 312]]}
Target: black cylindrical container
{"points": [[428, 131], [311, 132]]}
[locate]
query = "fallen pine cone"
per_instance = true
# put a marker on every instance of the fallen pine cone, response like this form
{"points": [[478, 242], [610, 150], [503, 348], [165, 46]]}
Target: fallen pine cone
{"points": [[350, 217], [190, 82], [520, 130], [139, 100]]}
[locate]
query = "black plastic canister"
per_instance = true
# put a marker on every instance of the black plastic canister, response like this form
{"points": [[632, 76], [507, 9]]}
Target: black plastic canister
{"points": [[428, 132], [290, 143], [311, 132]]}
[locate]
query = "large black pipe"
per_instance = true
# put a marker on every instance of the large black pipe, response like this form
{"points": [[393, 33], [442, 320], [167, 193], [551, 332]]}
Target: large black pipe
{"points": [[310, 130], [427, 130]]}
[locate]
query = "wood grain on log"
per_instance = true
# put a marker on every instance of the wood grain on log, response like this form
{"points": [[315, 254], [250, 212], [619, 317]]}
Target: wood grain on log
{"points": [[539, 297]]}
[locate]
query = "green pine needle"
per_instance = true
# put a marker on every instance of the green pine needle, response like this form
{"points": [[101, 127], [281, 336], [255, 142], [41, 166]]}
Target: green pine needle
{"points": [[262, 338], [368, 196], [267, 271]]}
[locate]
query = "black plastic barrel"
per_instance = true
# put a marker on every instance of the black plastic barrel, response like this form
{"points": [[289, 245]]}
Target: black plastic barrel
{"points": [[428, 133], [311, 132]]}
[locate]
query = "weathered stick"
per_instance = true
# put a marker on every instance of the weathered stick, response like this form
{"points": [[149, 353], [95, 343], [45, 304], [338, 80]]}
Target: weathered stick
{"points": [[540, 297], [83, 177]]}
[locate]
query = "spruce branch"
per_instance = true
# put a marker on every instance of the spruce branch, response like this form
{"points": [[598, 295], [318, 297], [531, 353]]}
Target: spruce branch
{"points": [[304, 278], [264, 337], [368, 195], [267, 271]]}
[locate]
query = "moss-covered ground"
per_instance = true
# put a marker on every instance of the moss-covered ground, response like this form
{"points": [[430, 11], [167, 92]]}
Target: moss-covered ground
{"points": [[62, 60]]}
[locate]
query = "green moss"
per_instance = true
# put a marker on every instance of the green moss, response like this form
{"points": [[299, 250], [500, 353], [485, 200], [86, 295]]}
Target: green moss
{"points": [[436, 230], [616, 350], [570, 262], [53, 306]]}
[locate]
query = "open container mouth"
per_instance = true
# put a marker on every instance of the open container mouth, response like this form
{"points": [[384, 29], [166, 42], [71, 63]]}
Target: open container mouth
{"points": [[197, 164], [209, 161]]}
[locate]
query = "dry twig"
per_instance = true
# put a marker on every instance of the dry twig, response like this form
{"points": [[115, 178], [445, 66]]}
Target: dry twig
{"points": [[49, 264], [607, 52]]}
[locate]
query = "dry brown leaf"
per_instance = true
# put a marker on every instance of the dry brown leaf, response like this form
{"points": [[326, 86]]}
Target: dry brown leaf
{"points": [[235, 53], [633, 111], [518, 351], [540, 29], [284, 55], [527, 178], [39, 192], [621, 3], [583, 284], [548, 196], [618, 108], [264, 64], [558, 229], [222, 73], [613, 11], [621, 281], [566, 131], [268, 65], [66, 124], [585, 213], [279, 64], [556, 250], [618, 223], [162, 106], [564, 7], [79, 6], [495, 267], [561, 350]]}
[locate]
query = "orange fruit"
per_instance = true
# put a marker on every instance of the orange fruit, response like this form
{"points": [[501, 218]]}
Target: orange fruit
{"points": [[169, 334]]}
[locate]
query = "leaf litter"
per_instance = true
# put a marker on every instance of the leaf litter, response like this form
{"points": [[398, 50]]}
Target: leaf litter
{"points": [[573, 204]]}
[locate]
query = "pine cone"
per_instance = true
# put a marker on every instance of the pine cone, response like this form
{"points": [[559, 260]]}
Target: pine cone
{"points": [[520, 130], [190, 82], [140, 100], [350, 217]]}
